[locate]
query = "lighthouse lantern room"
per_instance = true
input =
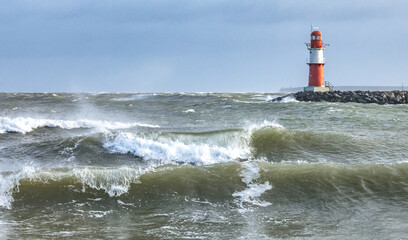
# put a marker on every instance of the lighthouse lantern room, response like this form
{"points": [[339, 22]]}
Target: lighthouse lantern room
{"points": [[316, 63]]}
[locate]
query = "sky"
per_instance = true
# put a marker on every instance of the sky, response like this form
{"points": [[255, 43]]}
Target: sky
{"points": [[197, 46]]}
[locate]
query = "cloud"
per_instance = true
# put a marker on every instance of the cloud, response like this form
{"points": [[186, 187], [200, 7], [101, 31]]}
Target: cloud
{"points": [[169, 43], [159, 11]]}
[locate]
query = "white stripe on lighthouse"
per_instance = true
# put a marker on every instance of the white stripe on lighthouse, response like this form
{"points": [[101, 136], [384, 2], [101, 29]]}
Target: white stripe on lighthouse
{"points": [[316, 55]]}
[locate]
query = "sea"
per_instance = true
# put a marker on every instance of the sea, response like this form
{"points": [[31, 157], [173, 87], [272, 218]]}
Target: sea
{"points": [[200, 166]]}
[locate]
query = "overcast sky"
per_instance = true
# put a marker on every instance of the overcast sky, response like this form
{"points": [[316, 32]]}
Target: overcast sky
{"points": [[197, 46]]}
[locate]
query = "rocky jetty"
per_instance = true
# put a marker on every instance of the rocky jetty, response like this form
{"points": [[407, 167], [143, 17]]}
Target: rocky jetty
{"points": [[379, 97]]}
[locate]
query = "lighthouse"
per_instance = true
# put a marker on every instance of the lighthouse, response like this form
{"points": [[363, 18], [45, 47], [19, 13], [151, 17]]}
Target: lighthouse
{"points": [[316, 63]]}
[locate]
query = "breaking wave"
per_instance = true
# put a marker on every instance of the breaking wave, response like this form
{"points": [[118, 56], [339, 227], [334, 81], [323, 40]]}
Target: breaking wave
{"points": [[169, 151], [212, 147], [133, 97], [288, 99], [254, 190], [284, 99], [25, 125], [246, 184], [248, 167], [112, 181]]}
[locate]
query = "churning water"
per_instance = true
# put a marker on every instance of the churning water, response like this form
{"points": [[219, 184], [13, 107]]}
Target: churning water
{"points": [[200, 166]]}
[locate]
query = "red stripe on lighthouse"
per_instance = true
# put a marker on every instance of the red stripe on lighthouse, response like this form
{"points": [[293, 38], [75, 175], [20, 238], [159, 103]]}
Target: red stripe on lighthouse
{"points": [[316, 78]]}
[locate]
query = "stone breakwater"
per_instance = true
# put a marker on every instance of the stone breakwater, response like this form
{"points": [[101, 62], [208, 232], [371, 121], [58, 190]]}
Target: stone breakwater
{"points": [[379, 97]]}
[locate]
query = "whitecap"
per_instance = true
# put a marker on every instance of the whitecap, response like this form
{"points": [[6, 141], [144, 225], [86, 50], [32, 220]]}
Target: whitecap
{"points": [[173, 151], [10, 182], [288, 99], [99, 214], [254, 190], [114, 181], [254, 127], [133, 97], [25, 125]]}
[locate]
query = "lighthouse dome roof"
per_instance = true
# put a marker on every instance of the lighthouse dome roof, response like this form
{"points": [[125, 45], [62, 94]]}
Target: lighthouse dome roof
{"points": [[316, 33]]}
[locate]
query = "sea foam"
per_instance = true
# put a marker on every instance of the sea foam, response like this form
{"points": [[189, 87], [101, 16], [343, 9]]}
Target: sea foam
{"points": [[172, 151], [113, 181], [179, 150], [27, 124], [133, 97], [265, 124], [289, 99], [10, 182], [254, 190]]}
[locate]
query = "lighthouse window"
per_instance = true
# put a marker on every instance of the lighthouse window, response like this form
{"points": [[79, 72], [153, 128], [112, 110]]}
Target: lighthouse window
{"points": [[318, 37], [313, 37]]}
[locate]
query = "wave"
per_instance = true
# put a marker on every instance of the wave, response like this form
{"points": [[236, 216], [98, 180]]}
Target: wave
{"points": [[120, 147], [170, 151], [201, 148], [246, 184], [112, 181], [285, 99], [270, 98], [280, 144], [134, 97], [25, 125], [189, 110], [288, 99], [9, 183], [258, 158], [265, 140], [254, 190]]}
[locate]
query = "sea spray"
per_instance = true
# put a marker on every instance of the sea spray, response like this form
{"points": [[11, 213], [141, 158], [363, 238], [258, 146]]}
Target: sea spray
{"points": [[168, 151], [223, 146], [254, 190], [114, 182], [238, 167], [133, 97], [9, 182], [28, 124]]}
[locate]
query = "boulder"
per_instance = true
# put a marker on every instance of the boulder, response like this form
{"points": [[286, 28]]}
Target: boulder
{"points": [[378, 97]]}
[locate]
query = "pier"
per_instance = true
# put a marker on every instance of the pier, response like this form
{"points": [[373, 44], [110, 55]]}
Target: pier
{"points": [[378, 97]]}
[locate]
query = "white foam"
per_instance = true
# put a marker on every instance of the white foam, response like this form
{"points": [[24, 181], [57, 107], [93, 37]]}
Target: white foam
{"points": [[190, 111], [24, 125], [169, 151], [269, 98], [288, 99], [254, 190], [243, 101], [99, 214], [133, 98], [184, 150], [114, 181], [264, 98], [254, 127], [10, 182], [124, 204]]}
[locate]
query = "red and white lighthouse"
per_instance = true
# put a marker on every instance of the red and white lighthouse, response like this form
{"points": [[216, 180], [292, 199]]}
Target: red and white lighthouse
{"points": [[316, 63]]}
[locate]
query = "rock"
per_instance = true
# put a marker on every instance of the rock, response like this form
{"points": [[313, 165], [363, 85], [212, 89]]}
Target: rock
{"points": [[383, 97]]}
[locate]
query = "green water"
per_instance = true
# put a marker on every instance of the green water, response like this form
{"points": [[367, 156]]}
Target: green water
{"points": [[200, 166]]}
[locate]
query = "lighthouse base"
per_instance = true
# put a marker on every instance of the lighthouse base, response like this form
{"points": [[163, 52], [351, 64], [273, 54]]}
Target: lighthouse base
{"points": [[316, 89]]}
